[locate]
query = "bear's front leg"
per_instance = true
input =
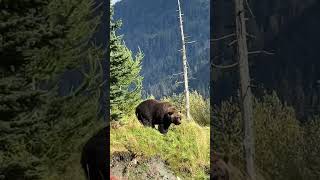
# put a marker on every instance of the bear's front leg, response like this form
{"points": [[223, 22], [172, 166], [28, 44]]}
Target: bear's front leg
{"points": [[163, 129]]}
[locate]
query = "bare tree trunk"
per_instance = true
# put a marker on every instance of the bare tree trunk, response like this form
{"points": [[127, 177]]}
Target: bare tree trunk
{"points": [[245, 90], [185, 67]]}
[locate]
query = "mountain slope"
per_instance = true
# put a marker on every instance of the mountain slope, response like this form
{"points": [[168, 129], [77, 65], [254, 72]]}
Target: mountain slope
{"points": [[153, 26]]}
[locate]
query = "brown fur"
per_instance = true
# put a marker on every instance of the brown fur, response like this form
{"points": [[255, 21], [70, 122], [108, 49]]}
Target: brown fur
{"points": [[223, 169], [219, 168], [95, 154], [152, 112]]}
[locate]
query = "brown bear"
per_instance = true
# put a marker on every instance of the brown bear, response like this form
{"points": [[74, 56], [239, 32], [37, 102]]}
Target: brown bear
{"points": [[219, 168], [152, 112], [95, 154], [222, 169]]}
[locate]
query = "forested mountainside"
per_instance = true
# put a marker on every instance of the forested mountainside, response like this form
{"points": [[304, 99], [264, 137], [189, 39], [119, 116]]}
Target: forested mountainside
{"points": [[154, 27], [290, 29]]}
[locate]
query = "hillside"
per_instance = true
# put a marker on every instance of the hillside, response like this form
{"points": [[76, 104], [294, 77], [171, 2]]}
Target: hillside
{"points": [[183, 152], [143, 152], [153, 26]]}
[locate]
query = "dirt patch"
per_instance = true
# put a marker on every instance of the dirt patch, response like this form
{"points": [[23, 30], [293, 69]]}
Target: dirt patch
{"points": [[126, 165]]}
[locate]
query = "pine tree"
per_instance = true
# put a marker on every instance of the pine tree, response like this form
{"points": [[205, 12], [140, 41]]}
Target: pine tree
{"points": [[125, 81], [40, 40]]}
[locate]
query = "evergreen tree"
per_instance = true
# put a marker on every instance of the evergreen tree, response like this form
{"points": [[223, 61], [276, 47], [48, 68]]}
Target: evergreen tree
{"points": [[125, 81], [40, 40]]}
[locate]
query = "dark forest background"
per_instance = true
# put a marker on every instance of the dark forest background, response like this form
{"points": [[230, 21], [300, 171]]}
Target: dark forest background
{"points": [[289, 29], [284, 81]]}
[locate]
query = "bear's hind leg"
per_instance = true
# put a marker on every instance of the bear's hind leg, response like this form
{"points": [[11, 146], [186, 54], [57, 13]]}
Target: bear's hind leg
{"points": [[144, 121]]}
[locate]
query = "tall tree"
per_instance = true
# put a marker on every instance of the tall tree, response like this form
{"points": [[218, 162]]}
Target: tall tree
{"points": [[241, 47], [245, 89], [184, 62], [125, 79], [40, 41]]}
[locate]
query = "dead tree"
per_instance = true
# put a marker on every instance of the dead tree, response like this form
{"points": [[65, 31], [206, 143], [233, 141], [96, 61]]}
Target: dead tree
{"points": [[238, 41], [245, 90], [184, 61]]}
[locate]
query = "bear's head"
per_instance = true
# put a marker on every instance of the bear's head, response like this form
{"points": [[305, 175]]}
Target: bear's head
{"points": [[174, 116]]}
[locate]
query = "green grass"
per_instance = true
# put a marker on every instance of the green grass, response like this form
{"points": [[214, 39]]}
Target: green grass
{"points": [[185, 148]]}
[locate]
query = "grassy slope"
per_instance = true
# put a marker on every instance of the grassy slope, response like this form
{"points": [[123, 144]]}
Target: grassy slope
{"points": [[185, 148]]}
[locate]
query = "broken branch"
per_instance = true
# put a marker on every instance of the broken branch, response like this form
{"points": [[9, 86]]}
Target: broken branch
{"points": [[224, 37], [225, 66], [260, 52]]}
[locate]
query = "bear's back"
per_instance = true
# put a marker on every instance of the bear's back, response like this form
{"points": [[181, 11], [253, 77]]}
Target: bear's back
{"points": [[147, 107]]}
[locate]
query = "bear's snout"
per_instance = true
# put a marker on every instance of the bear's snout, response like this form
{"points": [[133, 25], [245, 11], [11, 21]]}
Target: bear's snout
{"points": [[177, 121]]}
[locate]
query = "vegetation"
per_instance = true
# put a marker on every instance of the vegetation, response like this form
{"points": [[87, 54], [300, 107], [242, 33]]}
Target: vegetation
{"points": [[285, 148], [199, 106], [282, 144], [43, 125], [286, 135], [311, 148], [125, 80], [185, 148]]}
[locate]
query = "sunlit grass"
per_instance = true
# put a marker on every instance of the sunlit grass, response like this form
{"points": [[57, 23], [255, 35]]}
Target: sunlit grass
{"points": [[185, 147]]}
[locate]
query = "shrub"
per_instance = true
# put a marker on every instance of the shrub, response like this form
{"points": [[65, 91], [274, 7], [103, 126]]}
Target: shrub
{"points": [[311, 149], [278, 137], [199, 107]]}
